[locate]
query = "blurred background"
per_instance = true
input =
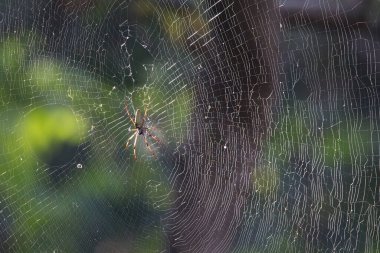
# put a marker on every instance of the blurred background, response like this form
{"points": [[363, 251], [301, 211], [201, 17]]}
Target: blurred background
{"points": [[267, 115]]}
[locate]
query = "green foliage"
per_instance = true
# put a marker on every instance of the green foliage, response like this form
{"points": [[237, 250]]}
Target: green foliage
{"points": [[343, 142], [340, 142], [266, 180], [56, 207], [12, 54], [153, 242], [49, 125]]}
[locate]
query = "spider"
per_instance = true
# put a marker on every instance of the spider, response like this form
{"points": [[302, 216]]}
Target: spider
{"points": [[140, 129]]}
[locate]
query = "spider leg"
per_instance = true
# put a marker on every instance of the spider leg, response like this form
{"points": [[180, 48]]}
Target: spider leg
{"points": [[129, 114], [146, 108], [130, 138], [153, 136], [145, 112], [134, 146], [149, 148]]}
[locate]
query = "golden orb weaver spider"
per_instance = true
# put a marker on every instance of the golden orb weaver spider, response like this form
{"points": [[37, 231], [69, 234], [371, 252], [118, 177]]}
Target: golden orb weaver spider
{"points": [[139, 122]]}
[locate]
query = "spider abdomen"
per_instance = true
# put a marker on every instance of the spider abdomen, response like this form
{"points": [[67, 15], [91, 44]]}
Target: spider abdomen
{"points": [[141, 130]]}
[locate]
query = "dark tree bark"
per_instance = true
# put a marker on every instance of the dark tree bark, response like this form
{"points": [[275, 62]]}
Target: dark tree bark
{"points": [[240, 74]]}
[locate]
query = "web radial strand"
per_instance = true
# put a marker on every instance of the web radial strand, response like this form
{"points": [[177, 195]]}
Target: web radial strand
{"points": [[189, 126]]}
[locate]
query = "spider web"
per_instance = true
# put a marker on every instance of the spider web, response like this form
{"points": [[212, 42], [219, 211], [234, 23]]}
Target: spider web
{"points": [[267, 114]]}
